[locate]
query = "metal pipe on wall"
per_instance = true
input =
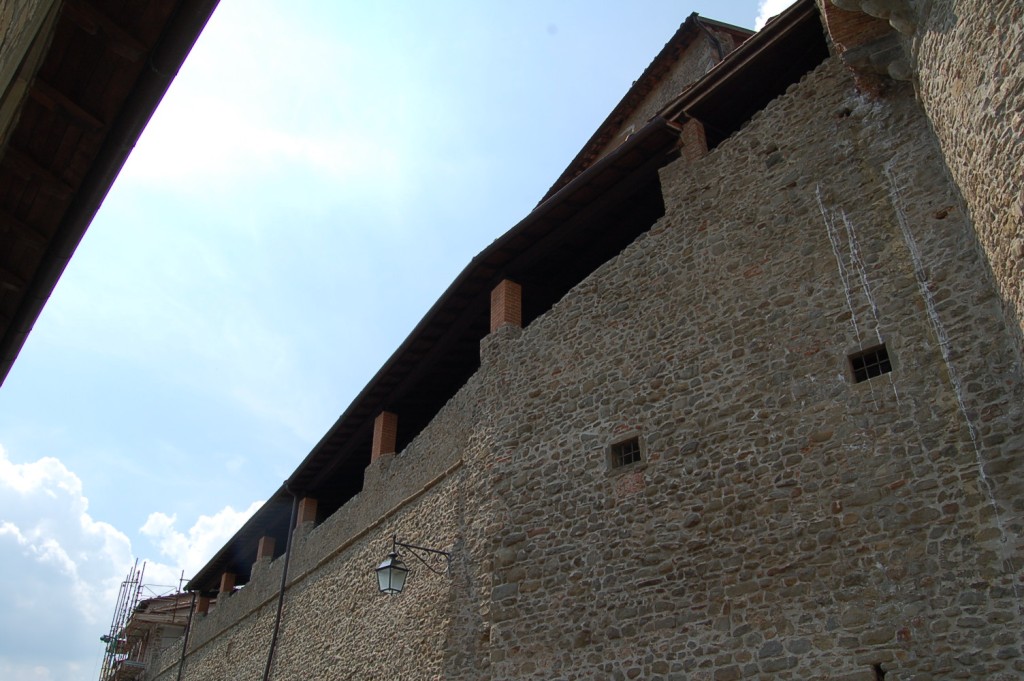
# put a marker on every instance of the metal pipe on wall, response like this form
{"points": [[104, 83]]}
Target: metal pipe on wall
{"points": [[284, 582], [188, 628]]}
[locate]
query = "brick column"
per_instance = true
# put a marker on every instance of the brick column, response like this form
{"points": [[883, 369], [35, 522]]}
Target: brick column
{"points": [[385, 435], [506, 305], [202, 605], [692, 140], [227, 582], [307, 511], [265, 549]]}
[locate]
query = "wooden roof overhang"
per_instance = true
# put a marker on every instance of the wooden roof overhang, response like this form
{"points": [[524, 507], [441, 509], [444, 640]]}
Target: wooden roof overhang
{"points": [[582, 225], [95, 73]]}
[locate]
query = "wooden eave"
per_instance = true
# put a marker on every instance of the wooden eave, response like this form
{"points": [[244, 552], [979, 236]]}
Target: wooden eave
{"points": [[104, 67], [754, 73]]}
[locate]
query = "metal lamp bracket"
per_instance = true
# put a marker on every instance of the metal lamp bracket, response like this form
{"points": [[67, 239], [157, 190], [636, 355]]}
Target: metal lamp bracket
{"points": [[425, 555]]}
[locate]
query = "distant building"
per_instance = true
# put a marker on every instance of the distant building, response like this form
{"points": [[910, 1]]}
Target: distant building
{"points": [[741, 397], [154, 626]]}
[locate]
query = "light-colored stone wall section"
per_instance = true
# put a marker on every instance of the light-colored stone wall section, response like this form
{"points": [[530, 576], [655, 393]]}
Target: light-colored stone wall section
{"points": [[969, 56]]}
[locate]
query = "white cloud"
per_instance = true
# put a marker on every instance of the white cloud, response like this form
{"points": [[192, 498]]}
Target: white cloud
{"points": [[768, 9], [65, 568], [45, 515], [188, 551]]}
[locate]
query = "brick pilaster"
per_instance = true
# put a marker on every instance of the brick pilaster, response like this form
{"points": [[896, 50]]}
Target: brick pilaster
{"points": [[227, 582], [692, 140], [307, 511], [385, 435], [202, 605], [265, 549], [506, 305]]}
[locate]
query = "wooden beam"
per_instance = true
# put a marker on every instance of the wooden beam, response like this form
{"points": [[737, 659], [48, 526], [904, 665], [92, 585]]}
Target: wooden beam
{"points": [[31, 168], [55, 100], [91, 20], [21, 230], [11, 280]]}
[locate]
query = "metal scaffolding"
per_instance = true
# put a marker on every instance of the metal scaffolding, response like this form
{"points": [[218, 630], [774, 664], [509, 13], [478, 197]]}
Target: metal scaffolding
{"points": [[146, 620], [116, 639]]}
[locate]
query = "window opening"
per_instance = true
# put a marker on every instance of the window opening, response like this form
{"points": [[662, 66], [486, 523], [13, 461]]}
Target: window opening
{"points": [[870, 363], [626, 452]]}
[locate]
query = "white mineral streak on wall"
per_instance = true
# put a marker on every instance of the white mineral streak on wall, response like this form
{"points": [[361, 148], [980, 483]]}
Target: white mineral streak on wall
{"points": [[859, 270], [923, 285], [833, 238], [858, 262]]}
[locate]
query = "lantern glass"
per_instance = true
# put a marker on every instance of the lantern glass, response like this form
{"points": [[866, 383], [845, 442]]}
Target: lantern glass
{"points": [[391, 575]]}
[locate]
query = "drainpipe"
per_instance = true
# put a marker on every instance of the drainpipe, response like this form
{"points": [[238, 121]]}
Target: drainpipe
{"points": [[284, 581], [188, 628]]}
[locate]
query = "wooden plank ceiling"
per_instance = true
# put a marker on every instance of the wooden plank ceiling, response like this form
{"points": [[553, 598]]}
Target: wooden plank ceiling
{"points": [[105, 66]]}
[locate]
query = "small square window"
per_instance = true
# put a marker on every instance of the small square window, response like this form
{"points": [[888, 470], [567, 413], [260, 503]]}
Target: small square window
{"points": [[870, 363], [626, 452]]}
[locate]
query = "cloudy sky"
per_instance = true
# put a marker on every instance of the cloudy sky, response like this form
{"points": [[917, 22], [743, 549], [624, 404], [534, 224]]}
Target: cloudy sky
{"points": [[317, 175]]}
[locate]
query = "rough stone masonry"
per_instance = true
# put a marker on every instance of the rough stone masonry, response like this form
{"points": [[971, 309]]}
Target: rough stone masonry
{"points": [[784, 520]]}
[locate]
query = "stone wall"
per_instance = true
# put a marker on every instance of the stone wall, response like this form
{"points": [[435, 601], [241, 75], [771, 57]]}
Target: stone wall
{"points": [[335, 625], [785, 522], [969, 57]]}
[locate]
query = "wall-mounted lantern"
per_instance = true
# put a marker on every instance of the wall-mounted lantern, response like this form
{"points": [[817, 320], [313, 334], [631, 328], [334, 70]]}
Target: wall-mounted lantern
{"points": [[392, 573]]}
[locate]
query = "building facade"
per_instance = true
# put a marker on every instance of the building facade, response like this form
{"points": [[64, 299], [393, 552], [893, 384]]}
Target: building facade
{"points": [[746, 399]]}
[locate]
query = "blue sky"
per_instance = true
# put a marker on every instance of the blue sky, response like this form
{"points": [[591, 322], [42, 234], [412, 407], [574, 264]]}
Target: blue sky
{"points": [[317, 175]]}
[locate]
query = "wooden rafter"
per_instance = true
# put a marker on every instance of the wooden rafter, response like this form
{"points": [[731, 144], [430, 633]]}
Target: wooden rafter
{"points": [[10, 225], [55, 100], [11, 280], [92, 20], [31, 168]]}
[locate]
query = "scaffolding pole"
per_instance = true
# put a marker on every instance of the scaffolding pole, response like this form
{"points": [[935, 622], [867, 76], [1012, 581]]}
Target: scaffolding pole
{"points": [[115, 640]]}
